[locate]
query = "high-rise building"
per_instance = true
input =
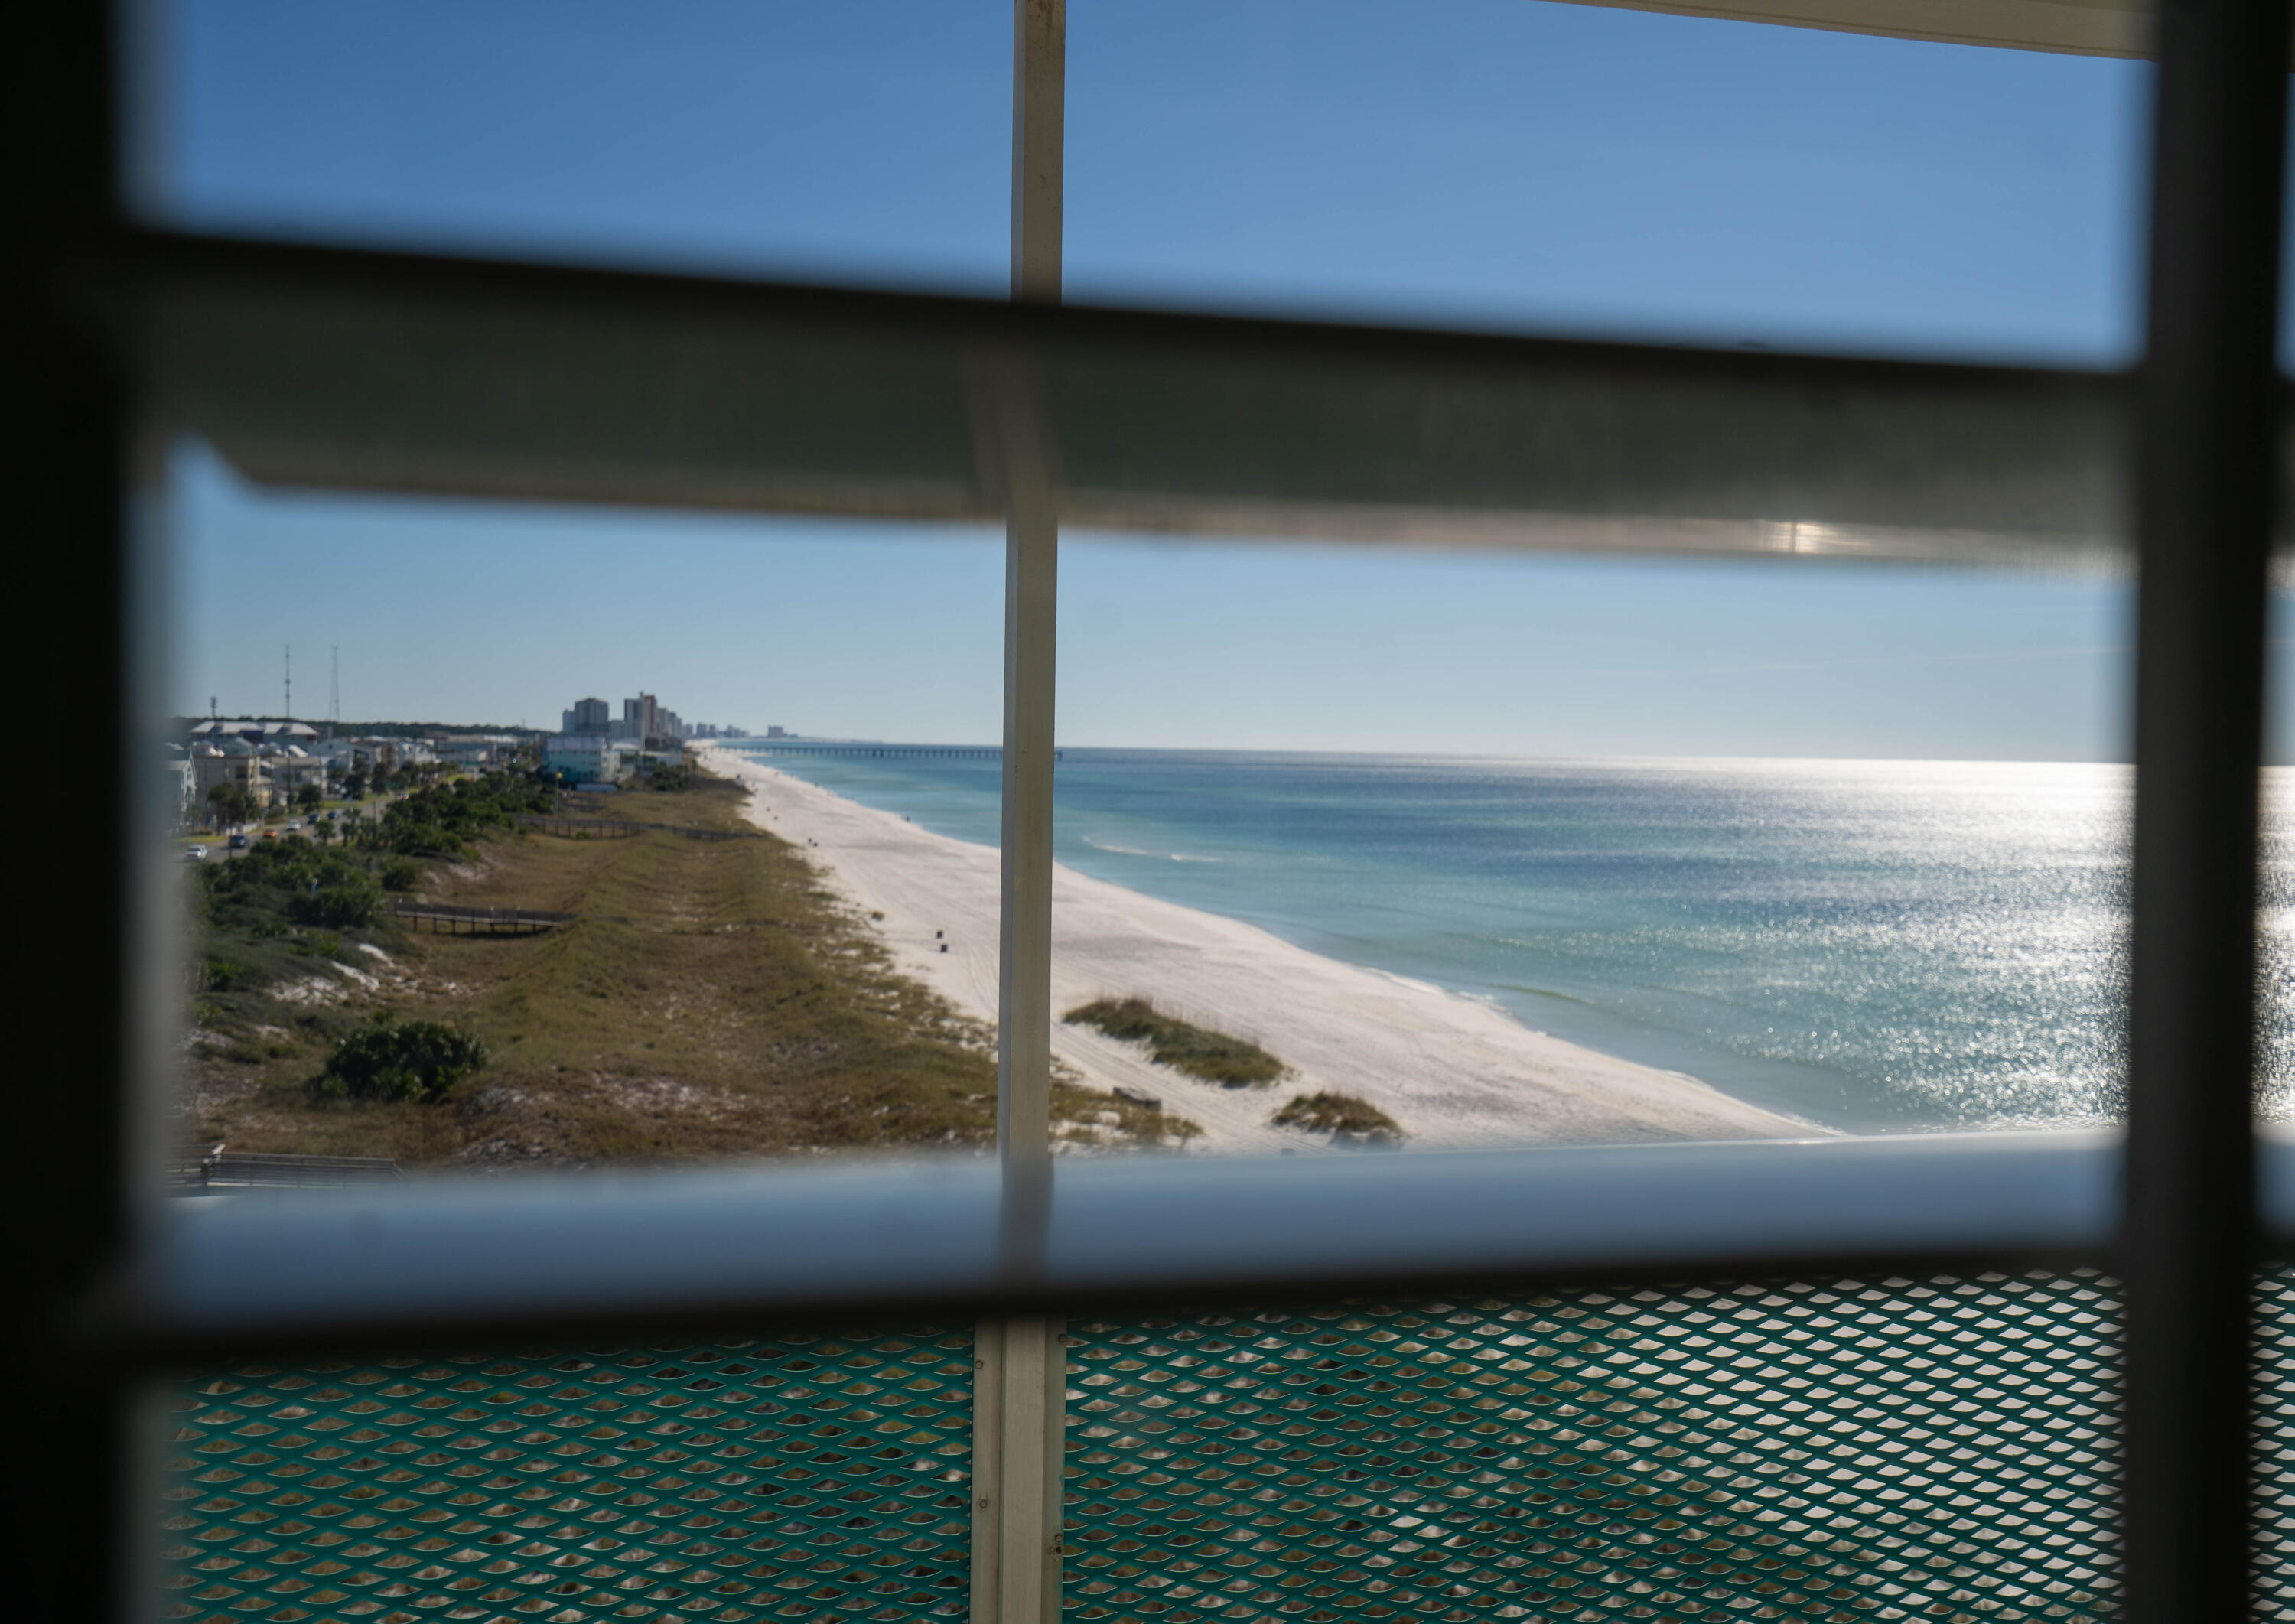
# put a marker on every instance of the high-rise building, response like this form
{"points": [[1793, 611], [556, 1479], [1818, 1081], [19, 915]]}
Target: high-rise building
{"points": [[644, 721], [589, 716]]}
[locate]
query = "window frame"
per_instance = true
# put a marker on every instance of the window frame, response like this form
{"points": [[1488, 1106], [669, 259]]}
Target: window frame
{"points": [[2185, 1236]]}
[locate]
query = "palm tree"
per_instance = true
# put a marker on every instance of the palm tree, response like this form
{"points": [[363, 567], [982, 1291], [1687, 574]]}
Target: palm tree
{"points": [[229, 803]]}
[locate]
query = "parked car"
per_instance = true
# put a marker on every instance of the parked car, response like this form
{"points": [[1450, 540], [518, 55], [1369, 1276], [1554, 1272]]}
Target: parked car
{"points": [[193, 854]]}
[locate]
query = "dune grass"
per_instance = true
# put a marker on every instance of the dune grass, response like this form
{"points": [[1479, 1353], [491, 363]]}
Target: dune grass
{"points": [[713, 998], [1233, 1063], [1342, 1115], [1084, 1118]]}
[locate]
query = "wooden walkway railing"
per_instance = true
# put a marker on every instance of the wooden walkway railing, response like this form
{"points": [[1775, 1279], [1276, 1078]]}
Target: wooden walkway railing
{"points": [[447, 920], [597, 828], [215, 1166], [960, 752], [622, 828]]}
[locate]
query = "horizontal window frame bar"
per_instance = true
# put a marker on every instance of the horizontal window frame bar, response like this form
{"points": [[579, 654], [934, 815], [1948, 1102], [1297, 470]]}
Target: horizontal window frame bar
{"points": [[489, 1260], [110, 274], [1159, 422], [2080, 28]]}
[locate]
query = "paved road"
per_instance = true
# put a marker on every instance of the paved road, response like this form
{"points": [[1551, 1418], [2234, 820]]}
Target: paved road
{"points": [[219, 845]]}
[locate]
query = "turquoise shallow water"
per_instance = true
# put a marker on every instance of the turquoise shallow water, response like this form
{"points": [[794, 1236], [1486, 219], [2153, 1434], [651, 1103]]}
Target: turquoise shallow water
{"points": [[1871, 945]]}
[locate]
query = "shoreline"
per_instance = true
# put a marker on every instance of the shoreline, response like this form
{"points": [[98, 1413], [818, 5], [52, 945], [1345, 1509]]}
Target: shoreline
{"points": [[1454, 1071]]}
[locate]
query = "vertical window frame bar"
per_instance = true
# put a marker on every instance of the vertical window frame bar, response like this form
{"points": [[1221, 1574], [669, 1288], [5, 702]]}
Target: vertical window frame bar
{"points": [[85, 1434], [1021, 1363], [2206, 471]]}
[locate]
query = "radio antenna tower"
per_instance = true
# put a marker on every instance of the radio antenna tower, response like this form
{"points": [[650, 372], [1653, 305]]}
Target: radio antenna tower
{"points": [[288, 652], [334, 687]]}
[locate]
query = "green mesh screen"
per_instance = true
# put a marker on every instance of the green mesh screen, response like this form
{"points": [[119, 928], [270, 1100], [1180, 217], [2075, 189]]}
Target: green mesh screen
{"points": [[803, 1478], [1918, 1450], [1935, 1449], [2274, 1447]]}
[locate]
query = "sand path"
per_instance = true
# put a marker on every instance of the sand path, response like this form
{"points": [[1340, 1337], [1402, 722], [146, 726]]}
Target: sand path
{"points": [[1453, 1072]]}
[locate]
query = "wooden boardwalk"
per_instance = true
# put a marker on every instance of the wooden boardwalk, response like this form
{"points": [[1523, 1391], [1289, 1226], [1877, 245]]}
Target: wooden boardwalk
{"points": [[622, 828], [450, 922], [959, 752], [597, 828], [219, 1167]]}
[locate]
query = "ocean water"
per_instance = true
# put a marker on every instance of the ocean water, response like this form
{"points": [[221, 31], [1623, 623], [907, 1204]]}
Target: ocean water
{"points": [[1872, 946]]}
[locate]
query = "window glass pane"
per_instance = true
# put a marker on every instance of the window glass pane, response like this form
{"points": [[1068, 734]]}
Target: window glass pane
{"points": [[1568, 167], [1369, 847], [868, 142], [482, 891]]}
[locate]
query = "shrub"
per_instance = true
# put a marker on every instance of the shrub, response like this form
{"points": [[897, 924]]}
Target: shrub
{"points": [[347, 905], [440, 819], [1349, 1120], [401, 874], [424, 840], [1233, 1063], [420, 1062], [221, 975]]}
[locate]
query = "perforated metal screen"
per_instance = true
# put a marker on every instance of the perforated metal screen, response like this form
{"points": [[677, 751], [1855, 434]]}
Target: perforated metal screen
{"points": [[2274, 1450], [800, 1478], [1889, 1449], [1939, 1450]]}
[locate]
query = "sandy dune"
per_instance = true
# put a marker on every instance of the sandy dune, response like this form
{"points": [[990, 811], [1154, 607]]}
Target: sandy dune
{"points": [[1453, 1072]]}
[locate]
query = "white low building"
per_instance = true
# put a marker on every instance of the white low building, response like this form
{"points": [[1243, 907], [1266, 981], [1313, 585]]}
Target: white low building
{"points": [[254, 731], [290, 770], [233, 761], [590, 757]]}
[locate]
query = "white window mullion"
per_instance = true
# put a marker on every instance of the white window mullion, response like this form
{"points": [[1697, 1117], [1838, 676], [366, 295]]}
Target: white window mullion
{"points": [[1020, 1393]]}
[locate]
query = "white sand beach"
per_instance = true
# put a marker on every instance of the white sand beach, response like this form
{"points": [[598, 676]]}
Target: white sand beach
{"points": [[1452, 1072]]}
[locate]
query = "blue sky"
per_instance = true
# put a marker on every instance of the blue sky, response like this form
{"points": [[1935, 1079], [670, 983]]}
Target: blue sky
{"points": [[1543, 168]]}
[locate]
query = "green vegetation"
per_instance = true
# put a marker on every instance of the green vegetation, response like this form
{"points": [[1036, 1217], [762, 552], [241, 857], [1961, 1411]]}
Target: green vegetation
{"points": [[281, 933], [1083, 1118], [221, 975], [1346, 1118], [443, 819], [291, 935], [670, 778], [711, 998], [286, 881], [350, 902], [1233, 1063], [229, 803], [419, 1061]]}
